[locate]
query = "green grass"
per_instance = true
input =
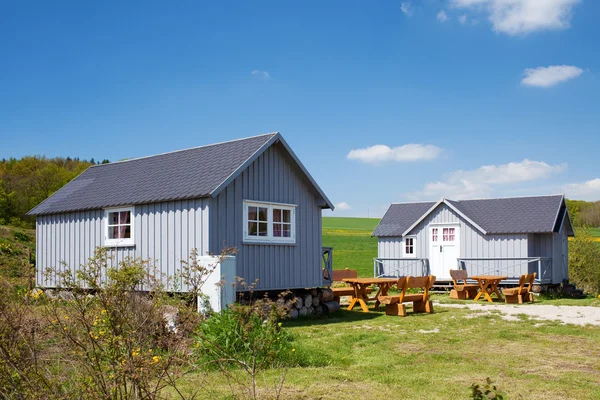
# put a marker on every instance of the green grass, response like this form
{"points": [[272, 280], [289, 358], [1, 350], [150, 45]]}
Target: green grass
{"points": [[353, 246], [435, 356], [362, 224], [595, 232]]}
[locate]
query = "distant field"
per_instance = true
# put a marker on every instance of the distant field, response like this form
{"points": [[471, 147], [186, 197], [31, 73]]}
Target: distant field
{"points": [[353, 246], [365, 224]]}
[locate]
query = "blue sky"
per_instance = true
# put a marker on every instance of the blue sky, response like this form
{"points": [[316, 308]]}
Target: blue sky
{"points": [[492, 97]]}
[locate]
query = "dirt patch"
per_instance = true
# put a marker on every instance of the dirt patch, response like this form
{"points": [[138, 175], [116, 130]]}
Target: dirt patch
{"points": [[576, 315]]}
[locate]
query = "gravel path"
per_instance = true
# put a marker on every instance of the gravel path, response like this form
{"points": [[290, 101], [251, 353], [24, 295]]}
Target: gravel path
{"points": [[567, 314]]}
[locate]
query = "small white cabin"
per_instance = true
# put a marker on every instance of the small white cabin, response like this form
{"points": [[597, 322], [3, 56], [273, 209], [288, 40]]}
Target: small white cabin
{"points": [[506, 236]]}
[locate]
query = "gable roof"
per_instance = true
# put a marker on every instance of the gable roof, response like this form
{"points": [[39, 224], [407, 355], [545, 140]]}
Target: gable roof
{"points": [[537, 214], [400, 216], [184, 174]]}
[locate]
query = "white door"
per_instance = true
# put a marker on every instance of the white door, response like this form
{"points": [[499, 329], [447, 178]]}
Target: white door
{"points": [[445, 249]]}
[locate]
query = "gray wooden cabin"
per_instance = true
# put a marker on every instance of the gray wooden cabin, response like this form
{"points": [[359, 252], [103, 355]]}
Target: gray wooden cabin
{"points": [[251, 194], [506, 236]]}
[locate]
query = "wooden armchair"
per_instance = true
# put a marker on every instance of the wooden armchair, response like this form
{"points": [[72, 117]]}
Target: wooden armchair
{"points": [[521, 293], [462, 290], [394, 305]]}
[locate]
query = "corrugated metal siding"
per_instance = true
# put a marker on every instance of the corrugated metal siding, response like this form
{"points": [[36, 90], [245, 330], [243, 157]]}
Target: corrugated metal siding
{"points": [[163, 232], [270, 178]]}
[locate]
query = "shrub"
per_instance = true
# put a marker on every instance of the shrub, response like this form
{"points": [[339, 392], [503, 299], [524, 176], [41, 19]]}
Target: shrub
{"points": [[486, 391], [584, 261], [102, 338], [240, 337]]}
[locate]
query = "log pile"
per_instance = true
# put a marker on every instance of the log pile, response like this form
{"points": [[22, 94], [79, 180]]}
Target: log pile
{"points": [[311, 303]]}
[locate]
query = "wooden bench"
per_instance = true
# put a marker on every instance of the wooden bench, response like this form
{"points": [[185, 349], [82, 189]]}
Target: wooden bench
{"points": [[394, 305], [521, 293], [338, 275], [462, 290]]}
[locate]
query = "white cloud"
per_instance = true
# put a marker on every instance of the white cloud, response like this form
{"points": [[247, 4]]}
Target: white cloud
{"points": [[482, 181], [588, 190], [343, 206], [463, 19], [261, 74], [442, 16], [550, 76], [406, 8], [381, 153], [520, 17]]}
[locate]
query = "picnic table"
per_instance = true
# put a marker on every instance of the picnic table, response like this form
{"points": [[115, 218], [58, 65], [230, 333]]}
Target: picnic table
{"points": [[488, 284], [360, 286]]}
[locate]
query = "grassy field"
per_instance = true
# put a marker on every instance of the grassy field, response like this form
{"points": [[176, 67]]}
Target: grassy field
{"points": [[353, 246], [435, 356]]}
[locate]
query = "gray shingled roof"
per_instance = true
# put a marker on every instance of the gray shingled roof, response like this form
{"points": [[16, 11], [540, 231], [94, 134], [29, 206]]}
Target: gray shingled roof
{"points": [[190, 173], [495, 216], [512, 215], [399, 217]]}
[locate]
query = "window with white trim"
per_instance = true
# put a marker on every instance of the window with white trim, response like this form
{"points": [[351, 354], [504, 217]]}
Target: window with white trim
{"points": [[409, 246], [269, 222], [118, 224], [448, 234]]}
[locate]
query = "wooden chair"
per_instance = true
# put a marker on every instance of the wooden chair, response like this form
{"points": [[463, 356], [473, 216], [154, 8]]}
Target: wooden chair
{"points": [[462, 290], [338, 275], [521, 293], [394, 305]]}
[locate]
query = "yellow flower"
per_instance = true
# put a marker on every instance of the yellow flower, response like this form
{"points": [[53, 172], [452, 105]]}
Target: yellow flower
{"points": [[293, 350], [156, 359], [103, 311], [123, 362], [66, 317], [101, 332]]}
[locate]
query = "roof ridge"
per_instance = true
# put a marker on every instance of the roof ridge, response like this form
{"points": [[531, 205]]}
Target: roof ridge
{"points": [[180, 150], [510, 197]]}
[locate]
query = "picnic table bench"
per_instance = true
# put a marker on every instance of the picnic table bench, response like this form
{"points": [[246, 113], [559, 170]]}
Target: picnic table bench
{"points": [[362, 287], [394, 305], [339, 275]]}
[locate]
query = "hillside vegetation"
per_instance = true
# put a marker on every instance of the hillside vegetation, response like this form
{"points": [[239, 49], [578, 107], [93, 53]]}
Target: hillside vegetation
{"points": [[26, 182], [17, 255]]}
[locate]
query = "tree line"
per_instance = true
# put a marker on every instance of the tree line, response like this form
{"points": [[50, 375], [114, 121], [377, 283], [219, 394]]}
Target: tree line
{"points": [[584, 213], [26, 182]]}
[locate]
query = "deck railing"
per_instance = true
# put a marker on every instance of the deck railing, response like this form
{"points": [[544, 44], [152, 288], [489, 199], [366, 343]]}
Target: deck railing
{"points": [[511, 267], [396, 267], [327, 264]]}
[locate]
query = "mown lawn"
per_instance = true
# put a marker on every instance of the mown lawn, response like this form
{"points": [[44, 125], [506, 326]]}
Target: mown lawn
{"points": [[433, 356], [353, 246]]}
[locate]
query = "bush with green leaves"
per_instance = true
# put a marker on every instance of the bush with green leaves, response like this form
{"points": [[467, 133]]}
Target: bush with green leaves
{"points": [[241, 337], [584, 261], [486, 391]]}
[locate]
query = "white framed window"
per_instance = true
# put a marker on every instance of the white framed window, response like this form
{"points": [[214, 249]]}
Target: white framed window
{"points": [[448, 234], [434, 235], [118, 226], [409, 246], [269, 222]]}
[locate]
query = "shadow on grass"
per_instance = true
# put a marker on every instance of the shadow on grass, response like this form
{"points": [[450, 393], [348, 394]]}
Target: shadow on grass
{"points": [[359, 316]]}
